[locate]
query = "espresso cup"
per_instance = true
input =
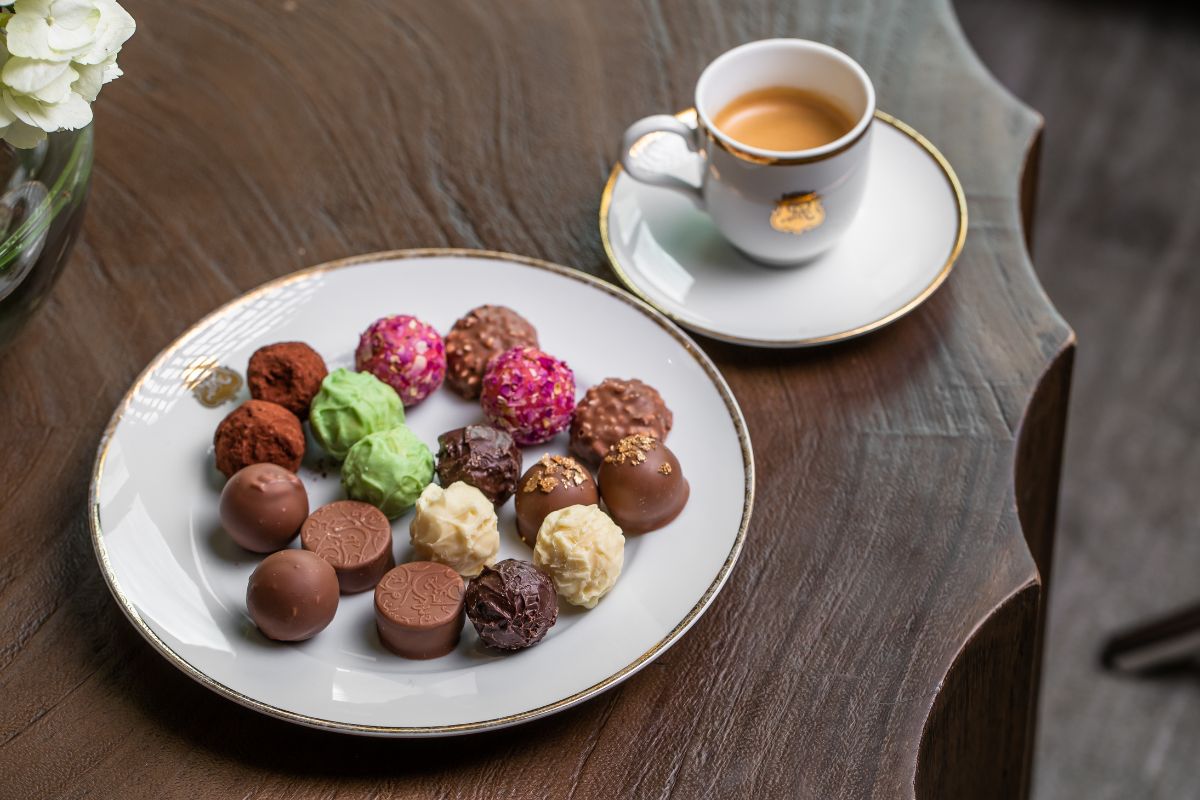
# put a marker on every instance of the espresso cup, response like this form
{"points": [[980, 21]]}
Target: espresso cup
{"points": [[780, 207]]}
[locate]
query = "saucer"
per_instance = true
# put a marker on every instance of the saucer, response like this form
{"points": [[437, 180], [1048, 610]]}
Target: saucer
{"points": [[901, 246]]}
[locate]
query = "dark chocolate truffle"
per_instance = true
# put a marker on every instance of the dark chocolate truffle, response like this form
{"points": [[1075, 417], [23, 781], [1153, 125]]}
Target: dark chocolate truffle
{"points": [[612, 410], [355, 538], [263, 507], [642, 484], [552, 483], [258, 432], [286, 373], [292, 596], [419, 609], [480, 456], [484, 332], [512, 604]]}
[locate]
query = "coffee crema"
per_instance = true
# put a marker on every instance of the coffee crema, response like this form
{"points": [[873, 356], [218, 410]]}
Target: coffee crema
{"points": [[783, 118]]}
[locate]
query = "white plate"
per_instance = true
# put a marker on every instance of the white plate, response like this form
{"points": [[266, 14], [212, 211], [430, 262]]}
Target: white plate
{"points": [[182, 582], [898, 250]]}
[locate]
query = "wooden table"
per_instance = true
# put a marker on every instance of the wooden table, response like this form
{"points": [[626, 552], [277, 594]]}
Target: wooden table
{"points": [[880, 636]]}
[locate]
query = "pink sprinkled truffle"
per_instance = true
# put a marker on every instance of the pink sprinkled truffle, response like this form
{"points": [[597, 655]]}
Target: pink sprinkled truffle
{"points": [[404, 353], [529, 394]]}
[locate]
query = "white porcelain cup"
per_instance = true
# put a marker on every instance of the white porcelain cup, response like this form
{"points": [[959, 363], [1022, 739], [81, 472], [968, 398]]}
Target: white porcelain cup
{"points": [[778, 207]]}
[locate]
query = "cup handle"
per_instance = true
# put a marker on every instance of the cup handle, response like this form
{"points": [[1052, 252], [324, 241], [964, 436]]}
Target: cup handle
{"points": [[660, 123]]}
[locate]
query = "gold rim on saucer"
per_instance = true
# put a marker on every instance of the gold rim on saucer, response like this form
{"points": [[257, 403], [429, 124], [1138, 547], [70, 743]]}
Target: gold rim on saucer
{"points": [[705, 363], [689, 115]]}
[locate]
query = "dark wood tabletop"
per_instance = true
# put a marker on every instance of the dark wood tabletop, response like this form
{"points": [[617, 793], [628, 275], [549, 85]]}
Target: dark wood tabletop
{"points": [[880, 636]]}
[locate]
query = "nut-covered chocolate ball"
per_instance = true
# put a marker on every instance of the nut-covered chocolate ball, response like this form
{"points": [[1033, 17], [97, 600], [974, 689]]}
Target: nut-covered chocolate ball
{"points": [[258, 432], [484, 332], [286, 373], [642, 484], [612, 410], [263, 507], [552, 483], [480, 456], [292, 596], [512, 605]]}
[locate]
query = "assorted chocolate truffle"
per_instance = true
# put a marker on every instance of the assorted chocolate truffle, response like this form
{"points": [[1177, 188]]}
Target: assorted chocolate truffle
{"points": [[641, 484], [292, 596], [583, 551], [419, 609], [455, 526], [529, 394], [482, 333], [258, 432], [552, 483], [512, 605], [350, 406], [388, 469], [286, 373], [263, 506], [528, 397], [612, 410], [355, 538], [480, 456], [405, 353]]}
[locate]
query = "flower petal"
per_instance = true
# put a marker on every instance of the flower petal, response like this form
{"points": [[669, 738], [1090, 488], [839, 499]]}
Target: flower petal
{"points": [[47, 81]]}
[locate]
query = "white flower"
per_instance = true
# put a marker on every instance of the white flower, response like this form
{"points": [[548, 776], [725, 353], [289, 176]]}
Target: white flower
{"points": [[84, 31], [54, 57]]}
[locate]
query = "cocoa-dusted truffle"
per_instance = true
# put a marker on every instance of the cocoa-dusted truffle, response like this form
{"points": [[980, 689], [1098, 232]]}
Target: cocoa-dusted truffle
{"points": [[612, 410], [263, 507], [483, 332], [287, 373], [355, 538], [552, 483], [480, 456], [292, 596], [419, 609], [258, 432], [642, 484], [512, 604]]}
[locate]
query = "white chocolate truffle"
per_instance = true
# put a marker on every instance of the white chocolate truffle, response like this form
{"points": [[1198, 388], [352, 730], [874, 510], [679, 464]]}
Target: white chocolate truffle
{"points": [[455, 526], [582, 550]]}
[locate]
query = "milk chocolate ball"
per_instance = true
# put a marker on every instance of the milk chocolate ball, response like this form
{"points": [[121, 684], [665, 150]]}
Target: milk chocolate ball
{"points": [[263, 507], [642, 484], [293, 595], [552, 483]]}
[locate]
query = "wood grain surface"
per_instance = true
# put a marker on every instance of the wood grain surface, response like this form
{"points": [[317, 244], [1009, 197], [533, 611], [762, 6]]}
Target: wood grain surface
{"points": [[1117, 238], [877, 639]]}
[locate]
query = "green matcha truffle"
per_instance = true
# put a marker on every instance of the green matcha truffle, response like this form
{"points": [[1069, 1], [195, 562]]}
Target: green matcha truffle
{"points": [[349, 406], [388, 469]]}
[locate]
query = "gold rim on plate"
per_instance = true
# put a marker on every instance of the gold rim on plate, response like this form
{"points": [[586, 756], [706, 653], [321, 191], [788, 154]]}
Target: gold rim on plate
{"points": [[735, 414], [960, 238]]}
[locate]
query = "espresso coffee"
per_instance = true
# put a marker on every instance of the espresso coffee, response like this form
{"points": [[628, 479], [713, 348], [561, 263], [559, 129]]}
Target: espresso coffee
{"points": [[783, 118]]}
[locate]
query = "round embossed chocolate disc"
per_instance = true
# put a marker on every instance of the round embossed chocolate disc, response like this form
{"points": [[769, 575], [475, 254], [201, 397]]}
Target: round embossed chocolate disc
{"points": [[355, 538], [419, 609]]}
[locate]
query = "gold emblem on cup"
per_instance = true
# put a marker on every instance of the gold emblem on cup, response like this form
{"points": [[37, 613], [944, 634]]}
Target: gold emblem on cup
{"points": [[798, 212]]}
